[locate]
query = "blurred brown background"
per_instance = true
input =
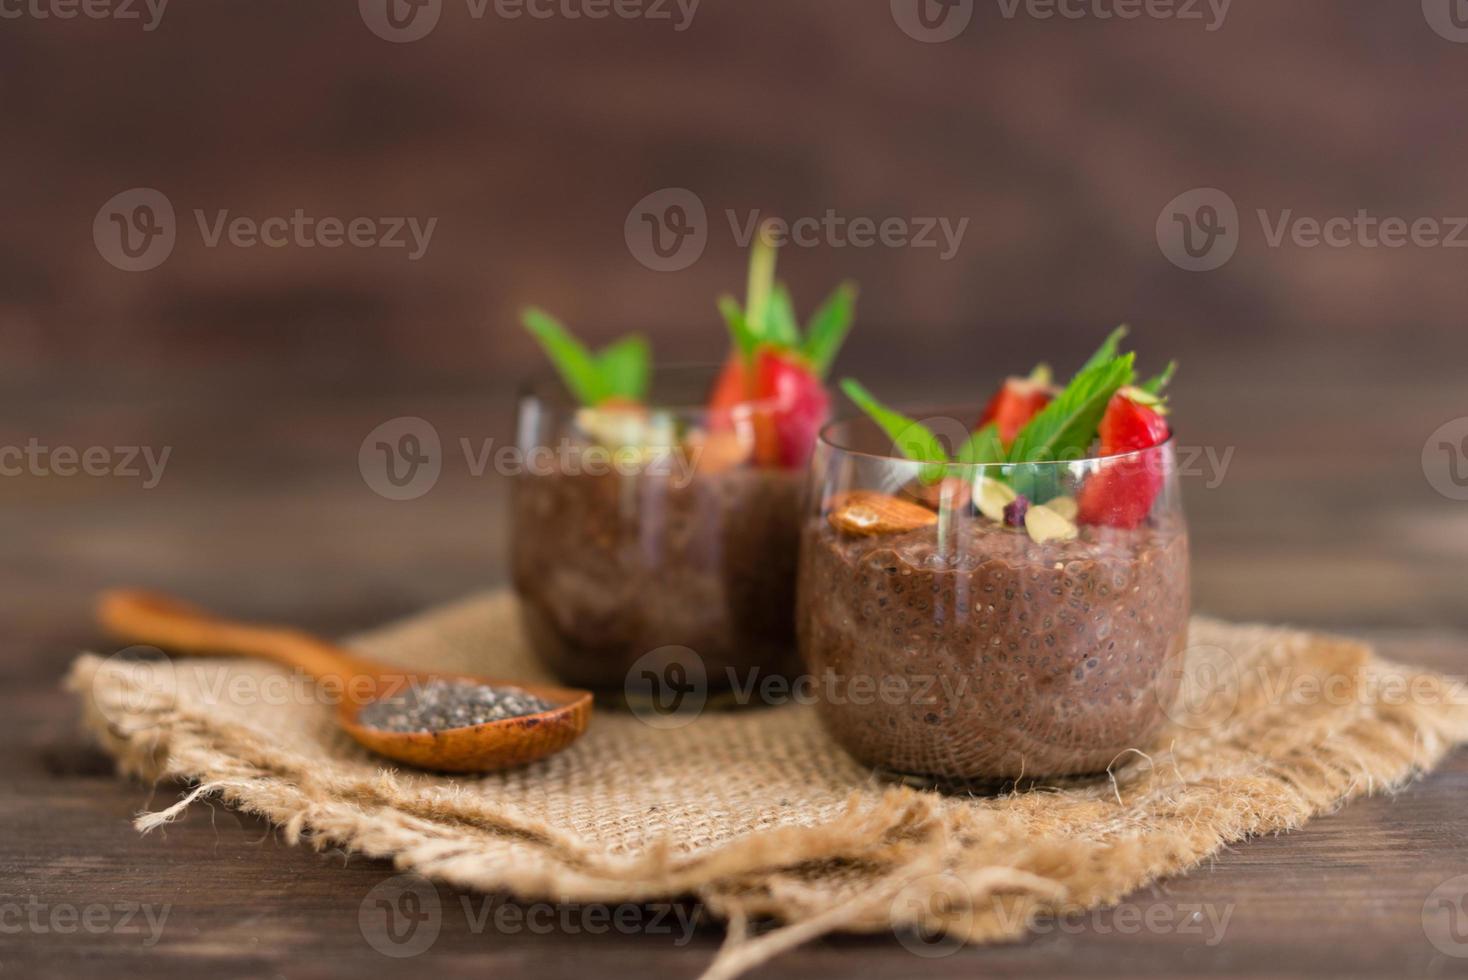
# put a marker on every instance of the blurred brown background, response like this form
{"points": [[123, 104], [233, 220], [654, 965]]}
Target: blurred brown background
{"points": [[1060, 141]]}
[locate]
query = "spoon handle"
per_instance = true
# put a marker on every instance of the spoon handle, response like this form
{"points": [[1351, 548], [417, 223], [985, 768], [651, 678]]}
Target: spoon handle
{"points": [[134, 616]]}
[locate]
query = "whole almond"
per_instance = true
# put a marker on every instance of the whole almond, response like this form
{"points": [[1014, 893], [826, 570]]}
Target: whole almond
{"points": [[1043, 525], [869, 512]]}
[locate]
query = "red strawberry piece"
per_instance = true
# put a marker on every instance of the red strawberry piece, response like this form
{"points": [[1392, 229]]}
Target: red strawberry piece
{"points": [[1130, 424], [787, 405], [1018, 401], [1121, 493]]}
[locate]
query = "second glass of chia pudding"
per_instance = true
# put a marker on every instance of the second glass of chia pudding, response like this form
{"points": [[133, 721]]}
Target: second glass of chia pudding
{"points": [[661, 508]]}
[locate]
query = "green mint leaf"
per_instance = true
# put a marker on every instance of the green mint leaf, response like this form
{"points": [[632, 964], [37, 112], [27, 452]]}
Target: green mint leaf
{"points": [[783, 329], [909, 437], [1107, 350], [1067, 426], [744, 338], [1155, 386], [625, 366], [761, 285], [577, 366], [828, 328], [984, 446]]}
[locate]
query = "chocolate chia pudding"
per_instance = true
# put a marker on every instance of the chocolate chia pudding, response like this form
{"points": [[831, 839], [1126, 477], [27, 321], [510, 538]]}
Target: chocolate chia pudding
{"points": [[610, 567], [1002, 657]]}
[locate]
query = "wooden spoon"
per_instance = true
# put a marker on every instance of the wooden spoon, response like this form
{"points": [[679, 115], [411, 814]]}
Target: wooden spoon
{"points": [[161, 621]]}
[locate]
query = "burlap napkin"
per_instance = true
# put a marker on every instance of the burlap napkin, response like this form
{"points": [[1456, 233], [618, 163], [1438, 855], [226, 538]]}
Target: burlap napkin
{"points": [[759, 815]]}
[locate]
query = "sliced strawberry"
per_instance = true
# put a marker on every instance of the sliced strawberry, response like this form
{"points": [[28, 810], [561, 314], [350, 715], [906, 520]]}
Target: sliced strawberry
{"points": [[1132, 422], [786, 403], [1121, 493], [1018, 401]]}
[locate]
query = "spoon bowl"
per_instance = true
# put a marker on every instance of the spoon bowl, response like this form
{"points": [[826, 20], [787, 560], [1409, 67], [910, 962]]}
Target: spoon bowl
{"points": [[137, 617]]}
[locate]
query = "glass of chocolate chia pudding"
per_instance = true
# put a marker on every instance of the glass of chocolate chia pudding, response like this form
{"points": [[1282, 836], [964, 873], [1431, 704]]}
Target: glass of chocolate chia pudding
{"points": [[660, 508], [990, 621], [645, 526]]}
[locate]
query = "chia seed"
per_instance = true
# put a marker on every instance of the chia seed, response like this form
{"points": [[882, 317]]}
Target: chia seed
{"points": [[440, 704]]}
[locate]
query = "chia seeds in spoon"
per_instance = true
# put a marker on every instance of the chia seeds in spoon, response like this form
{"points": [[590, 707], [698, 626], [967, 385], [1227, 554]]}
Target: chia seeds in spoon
{"points": [[440, 704]]}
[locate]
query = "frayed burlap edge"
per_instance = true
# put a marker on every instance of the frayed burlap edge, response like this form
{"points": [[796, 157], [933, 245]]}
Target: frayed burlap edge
{"points": [[915, 851]]}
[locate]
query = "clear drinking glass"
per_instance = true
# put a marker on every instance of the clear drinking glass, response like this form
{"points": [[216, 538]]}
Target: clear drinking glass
{"points": [[618, 553], [954, 632]]}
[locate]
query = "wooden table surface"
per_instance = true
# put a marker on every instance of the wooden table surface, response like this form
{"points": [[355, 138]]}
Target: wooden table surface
{"points": [[262, 512]]}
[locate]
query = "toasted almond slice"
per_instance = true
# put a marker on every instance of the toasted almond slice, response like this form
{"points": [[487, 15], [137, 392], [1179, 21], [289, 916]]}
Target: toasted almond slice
{"points": [[950, 492], [1043, 525], [1066, 507], [992, 497], [868, 512]]}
